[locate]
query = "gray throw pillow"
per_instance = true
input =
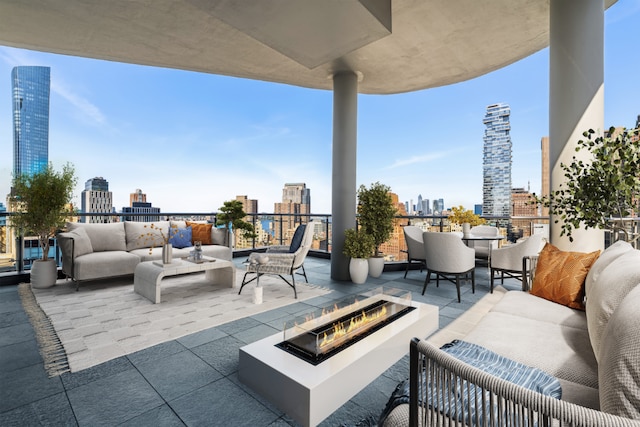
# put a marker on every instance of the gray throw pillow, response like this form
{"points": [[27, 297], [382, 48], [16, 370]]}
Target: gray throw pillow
{"points": [[81, 242]]}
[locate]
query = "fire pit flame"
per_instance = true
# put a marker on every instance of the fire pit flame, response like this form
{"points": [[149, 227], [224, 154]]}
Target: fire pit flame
{"points": [[358, 321]]}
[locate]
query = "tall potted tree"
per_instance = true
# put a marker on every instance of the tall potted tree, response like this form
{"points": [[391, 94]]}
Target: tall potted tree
{"points": [[43, 203], [603, 192], [358, 246], [376, 213], [231, 216]]}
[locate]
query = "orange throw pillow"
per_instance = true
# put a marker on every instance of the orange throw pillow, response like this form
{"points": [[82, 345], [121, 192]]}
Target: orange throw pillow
{"points": [[560, 275], [201, 232]]}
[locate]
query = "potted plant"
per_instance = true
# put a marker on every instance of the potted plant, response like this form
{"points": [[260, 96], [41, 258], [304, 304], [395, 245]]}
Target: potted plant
{"points": [[231, 216], [358, 246], [604, 192], [466, 218], [376, 213], [43, 203]]}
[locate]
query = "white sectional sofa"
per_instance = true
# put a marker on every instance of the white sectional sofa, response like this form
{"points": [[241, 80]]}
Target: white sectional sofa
{"points": [[594, 354], [96, 251]]}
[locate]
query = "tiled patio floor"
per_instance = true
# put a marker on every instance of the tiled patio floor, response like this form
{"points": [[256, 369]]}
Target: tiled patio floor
{"points": [[134, 390]]}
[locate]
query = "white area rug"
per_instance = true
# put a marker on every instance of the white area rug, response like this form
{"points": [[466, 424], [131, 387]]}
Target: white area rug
{"points": [[105, 320]]}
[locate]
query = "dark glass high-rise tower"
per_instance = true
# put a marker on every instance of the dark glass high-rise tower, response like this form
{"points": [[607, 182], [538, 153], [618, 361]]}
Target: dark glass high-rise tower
{"points": [[496, 162], [30, 87]]}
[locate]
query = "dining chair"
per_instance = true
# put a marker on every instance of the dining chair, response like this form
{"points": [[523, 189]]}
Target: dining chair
{"points": [[511, 261], [415, 247], [483, 248], [448, 257]]}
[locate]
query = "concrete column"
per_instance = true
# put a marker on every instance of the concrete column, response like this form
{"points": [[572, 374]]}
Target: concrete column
{"points": [[576, 95], [343, 186]]}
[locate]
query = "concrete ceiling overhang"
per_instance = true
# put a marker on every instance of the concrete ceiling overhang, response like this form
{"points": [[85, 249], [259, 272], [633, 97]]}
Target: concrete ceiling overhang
{"points": [[417, 44]]}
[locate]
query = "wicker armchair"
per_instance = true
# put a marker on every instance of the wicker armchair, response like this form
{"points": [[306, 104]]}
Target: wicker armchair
{"points": [[282, 260], [448, 380]]}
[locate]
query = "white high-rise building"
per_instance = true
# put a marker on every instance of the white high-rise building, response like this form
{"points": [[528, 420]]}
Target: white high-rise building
{"points": [[496, 162], [96, 198]]}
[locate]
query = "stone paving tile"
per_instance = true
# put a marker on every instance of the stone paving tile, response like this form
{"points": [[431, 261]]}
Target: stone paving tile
{"points": [[134, 385]]}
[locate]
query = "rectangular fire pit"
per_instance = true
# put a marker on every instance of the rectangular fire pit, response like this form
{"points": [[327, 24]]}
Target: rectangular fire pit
{"points": [[318, 363]]}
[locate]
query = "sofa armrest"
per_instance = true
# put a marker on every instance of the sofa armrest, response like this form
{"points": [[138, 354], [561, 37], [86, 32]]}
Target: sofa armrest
{"points": [[505, 401], [66, 243]]}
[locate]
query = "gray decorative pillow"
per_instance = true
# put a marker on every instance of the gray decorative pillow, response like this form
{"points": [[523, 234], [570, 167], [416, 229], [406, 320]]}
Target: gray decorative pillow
{"points": [[141, 235], [104, 237], [81, 242], [219, 236], [619, 361]]}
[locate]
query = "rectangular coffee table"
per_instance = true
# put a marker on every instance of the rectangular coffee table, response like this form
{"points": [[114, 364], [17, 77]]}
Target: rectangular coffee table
{"points": [[308, 393], [148, 275]]}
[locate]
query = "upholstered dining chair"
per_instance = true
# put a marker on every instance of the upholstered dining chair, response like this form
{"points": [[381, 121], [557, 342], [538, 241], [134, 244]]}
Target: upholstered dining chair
{"points": [[282, 260], [415, 247], [448, 257], [483, 248], [511, 261]]}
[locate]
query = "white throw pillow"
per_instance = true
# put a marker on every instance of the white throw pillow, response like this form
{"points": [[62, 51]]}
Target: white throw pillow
{"points": [[104, 237], [619, 361], [604, 294]]}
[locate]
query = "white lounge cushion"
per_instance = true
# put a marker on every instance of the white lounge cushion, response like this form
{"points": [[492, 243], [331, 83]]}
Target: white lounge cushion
{"points": [[559, 350], [97, 265], [523, 304], [608, 287], [104, 237], [619, 367]]}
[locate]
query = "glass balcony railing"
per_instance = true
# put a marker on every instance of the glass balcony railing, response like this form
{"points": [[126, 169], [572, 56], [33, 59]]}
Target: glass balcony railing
{"points": [[17, 254]]}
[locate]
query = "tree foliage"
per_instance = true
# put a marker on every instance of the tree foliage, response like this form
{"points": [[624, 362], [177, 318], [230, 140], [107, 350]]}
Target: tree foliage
{"points": [[43, 201], [376, 213], [231, 215], [357, 244], [601, 192], [460, 215]]}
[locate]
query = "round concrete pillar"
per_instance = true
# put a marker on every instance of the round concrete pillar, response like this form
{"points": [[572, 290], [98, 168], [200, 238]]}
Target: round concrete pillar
{"points": [[576, 96], [343, 186]]}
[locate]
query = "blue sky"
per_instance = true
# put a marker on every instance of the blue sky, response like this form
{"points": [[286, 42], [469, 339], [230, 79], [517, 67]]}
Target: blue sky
{"points": [[191, 141]]}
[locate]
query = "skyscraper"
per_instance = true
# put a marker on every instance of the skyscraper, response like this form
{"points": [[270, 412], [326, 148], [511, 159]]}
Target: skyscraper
{"points": [[496, 162], [138, 205], [97, 198], [296, 200], [30, 88]]}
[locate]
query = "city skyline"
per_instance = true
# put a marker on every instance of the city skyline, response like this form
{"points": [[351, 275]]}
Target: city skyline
{"points": [[191, 141]]}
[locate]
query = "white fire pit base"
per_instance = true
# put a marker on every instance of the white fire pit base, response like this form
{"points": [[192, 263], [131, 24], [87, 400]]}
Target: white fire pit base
{"points": [[308, 393]]}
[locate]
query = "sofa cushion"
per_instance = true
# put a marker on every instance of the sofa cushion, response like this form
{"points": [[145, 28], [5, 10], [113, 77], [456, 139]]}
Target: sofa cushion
{"points": [[560, 275], [146, 234], [219, 236], [562, 351], [81, 241], [619, 367], [104, 237], [522, 304], [604, 295], [180, 237], [97, 265], [201, 232]]}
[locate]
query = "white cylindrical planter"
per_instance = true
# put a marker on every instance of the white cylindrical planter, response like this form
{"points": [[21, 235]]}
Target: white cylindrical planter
{"points": [[257, 295], [44, 274], [376, 266], [358, 270], [466, 229]]}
